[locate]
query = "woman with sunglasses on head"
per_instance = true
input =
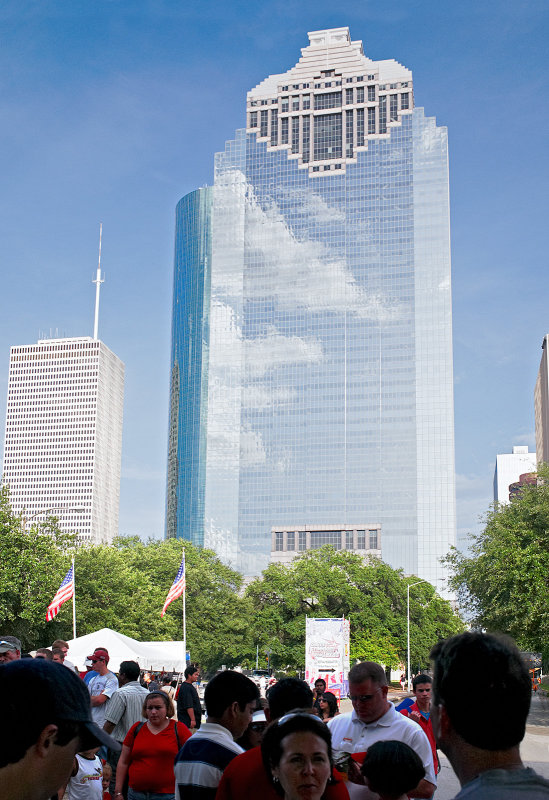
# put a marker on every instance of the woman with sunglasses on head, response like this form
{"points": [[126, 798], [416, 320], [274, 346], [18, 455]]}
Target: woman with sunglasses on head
{"points": [[328, 706], [297, 754], [149, 751]]}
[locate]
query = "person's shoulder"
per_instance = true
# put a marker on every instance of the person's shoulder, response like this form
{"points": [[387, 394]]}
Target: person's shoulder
{"points": [[340, 720]]}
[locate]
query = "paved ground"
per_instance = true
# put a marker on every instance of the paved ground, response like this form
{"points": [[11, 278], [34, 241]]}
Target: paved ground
{"points": [[534, 748]]}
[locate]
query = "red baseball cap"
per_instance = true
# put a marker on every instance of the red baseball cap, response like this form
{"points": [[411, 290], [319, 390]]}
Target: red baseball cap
{"points": [[100, 654]]}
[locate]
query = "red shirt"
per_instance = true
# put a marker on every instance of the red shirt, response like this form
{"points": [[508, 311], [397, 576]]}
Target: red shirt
{"points": [[245, 776], [427, 726], [152, 757]]}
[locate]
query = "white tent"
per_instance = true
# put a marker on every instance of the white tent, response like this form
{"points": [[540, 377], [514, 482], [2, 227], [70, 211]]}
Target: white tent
{"points": [[157, 656]]}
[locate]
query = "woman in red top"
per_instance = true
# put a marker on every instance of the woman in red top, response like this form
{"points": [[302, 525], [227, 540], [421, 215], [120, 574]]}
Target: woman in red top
{"points": [[149, 751]]}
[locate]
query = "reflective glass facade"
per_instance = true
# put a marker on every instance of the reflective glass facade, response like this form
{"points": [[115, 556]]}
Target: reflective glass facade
{"points": [[314, 279]]}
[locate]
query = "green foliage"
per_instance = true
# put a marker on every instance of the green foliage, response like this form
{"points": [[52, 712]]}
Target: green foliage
{"points": [[503, 583], [32, 565], [334, 583]]}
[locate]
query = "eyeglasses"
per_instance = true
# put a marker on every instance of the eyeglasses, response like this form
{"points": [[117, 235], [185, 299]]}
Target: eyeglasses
{"points": [[257, 727], [363, 698]]}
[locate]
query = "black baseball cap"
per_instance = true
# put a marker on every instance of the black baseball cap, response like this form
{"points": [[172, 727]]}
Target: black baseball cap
{"points": [[50, 693]]}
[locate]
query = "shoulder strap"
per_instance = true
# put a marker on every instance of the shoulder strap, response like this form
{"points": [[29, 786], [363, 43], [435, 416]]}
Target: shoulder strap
{"points": [[176, 736], [137, 729]]}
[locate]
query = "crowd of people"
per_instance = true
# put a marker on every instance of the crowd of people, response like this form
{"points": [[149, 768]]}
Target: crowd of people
{"points": [[108, 737]]}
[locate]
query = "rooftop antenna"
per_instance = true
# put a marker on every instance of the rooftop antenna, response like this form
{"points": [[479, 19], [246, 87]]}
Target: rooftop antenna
{"points": [[98, 283]]}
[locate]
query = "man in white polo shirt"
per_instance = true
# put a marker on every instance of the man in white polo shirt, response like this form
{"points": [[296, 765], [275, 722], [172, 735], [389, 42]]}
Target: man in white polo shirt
{"points": [[374, 719]]}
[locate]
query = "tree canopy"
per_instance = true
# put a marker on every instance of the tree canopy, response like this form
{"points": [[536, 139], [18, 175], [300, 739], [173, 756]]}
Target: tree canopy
{"points": [[123, 586], [503, 582], [336, 583]]}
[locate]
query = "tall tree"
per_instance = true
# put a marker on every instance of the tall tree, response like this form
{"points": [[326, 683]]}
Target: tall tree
{"points": [[334, 583], [32, 565], [503, 582]]}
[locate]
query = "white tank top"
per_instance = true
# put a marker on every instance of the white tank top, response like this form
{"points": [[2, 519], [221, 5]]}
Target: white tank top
{"points": [[87, 784]]}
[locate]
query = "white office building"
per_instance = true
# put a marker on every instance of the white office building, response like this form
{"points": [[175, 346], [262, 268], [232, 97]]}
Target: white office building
{"points": [[509, 468], [63, 442]]}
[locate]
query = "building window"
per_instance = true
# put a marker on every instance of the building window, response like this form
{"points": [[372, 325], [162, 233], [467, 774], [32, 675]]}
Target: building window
{"points": [[306, 138], [295, 103], [371, 93], [383, 114], [371, 119], [405, 100], [327, 137], [393, 108], [361, 540], [295, 134], [373, 540], [264, 124], [360, 127], [290, 540], [302, 540], [279, 541], [253, 119], [320, 538], [306, 102], [327, 100], [284, 130], [349, 134], [348, 96], [274, 126], [360, 94], [349, 543], [284, 104]]}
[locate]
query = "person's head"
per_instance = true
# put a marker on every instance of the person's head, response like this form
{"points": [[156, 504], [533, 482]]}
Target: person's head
{"points": [[297, 755], [50, 720], [253, 734], [192, 673], [422, 685], [107, 775], [128, 671], [100, 659], [166, 681], [368, 690], [157, 706], [63, 645], [328, 702], [392, 769], [44, 652], [287, 694], [230, 699], [492, 671], [320, 686], [58, 655], [10, 649]]}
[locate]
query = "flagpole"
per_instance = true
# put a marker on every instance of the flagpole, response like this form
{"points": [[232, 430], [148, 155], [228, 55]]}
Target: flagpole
{"points": [[73, 601], [184, 616]]}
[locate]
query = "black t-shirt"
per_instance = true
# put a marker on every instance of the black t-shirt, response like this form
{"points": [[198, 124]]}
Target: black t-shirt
{"points": [[188, 698]]}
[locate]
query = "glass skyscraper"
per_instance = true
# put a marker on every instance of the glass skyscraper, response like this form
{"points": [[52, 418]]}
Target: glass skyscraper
{"points": [[311, 368]]}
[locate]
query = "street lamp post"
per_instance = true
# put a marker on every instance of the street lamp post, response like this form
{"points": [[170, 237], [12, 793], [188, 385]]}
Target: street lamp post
{"points": [[24, 519], [410, 586]]}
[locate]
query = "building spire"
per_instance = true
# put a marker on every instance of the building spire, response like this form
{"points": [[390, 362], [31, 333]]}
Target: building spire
{"points": [[98, 283]]}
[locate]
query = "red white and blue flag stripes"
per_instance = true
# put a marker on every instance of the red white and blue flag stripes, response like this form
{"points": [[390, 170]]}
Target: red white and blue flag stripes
{"points": [[178, 586], [64, 593]]}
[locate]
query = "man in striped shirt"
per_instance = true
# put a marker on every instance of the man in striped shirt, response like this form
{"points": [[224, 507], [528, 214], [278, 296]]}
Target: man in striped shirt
{"points": [[230, 700], [124, 709]]}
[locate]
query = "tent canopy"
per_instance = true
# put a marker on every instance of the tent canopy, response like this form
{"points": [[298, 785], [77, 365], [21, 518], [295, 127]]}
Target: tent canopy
{"points": [[157, 656]]}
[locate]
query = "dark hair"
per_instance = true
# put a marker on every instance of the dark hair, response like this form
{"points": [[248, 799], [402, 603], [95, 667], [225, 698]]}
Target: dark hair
{"points": [[190, 670], [288, 693], [392, 768], [25, 731], [170, 710], [46, 652], [320, 680], [500, 684], [368, 670], [331, 699], [226, 688], [60, 643], [57, 651], [298, 721], [422, 678], [130, 669]]}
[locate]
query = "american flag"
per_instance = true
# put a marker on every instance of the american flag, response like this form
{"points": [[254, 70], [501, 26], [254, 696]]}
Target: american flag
{"points": [[178, 586], [64, 593]]}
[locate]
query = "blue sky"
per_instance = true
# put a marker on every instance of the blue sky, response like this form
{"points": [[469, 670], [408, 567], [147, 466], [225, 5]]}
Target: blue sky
{"points": [[111, 111]]}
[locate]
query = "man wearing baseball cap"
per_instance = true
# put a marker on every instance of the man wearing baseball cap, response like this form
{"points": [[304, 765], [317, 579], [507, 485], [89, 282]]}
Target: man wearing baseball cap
{"points": [[10, 649], [47, 713], [102, 686]]}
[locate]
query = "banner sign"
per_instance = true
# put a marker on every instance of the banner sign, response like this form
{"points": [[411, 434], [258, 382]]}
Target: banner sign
{"points": [[327, 653]]}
